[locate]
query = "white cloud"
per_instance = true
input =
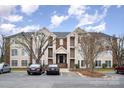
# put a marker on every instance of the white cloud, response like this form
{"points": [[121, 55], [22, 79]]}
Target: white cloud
{"points": [[77, 10], [7, 27], [57, 20], [99, 28], [29, 9], [30, 28], [14, 18], [88, 20], [119, 6], [6, 10], [8, 13], [106, 7]]}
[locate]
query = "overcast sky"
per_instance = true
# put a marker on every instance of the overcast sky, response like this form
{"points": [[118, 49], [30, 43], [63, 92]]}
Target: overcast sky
{"points": [[106, 19]]}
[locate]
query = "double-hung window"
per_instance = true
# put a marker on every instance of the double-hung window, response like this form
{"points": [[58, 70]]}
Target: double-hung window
{"points": [[14, 52], [98, 63], [108, 62]]}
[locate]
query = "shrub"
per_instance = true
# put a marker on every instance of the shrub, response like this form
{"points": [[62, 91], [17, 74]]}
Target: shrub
{"points": [[29, 64], [104, 65], [114, 65], [76, 66]]}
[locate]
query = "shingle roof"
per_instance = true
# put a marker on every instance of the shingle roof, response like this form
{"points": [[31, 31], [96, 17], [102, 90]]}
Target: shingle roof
{"points": [[99, 34], [19, 34], [61, 34]]}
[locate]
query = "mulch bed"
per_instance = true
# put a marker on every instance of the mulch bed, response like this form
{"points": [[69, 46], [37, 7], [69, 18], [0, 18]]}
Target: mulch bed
{"points": [[89, 73]]}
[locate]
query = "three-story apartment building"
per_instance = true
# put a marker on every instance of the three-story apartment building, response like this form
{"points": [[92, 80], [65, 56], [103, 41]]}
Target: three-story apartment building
{"points": [[64, 51]]}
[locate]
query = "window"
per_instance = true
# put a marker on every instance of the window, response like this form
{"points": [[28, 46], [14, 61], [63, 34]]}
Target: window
{"points": [[108, 62], [14, 52], [98, 63], [50, 52], [14, 41], [72, 52], [14, 62], [72, 41], [82, 63], [51, 41], [24, 53], [24, 62], [61, 41]]}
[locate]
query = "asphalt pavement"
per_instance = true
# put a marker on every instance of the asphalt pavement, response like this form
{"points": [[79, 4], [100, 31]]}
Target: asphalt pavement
{"points": [[64, 80]]}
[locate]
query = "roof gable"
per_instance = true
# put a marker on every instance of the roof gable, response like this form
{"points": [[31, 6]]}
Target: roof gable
{"points": [[61, 34], [61, 50]]}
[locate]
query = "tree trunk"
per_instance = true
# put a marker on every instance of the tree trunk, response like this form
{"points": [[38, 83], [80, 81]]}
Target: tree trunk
{"points": [[31, 52], [2, 58]]}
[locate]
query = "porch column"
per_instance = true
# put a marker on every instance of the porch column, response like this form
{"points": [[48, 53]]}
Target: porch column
{"points": [[63, 58], [58, 59]]}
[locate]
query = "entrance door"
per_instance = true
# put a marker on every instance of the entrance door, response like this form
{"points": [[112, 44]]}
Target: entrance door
{"points": [[61, 60]]}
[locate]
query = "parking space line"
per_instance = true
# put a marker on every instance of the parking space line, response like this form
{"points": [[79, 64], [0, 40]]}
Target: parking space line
{"points": [[61, 74]]}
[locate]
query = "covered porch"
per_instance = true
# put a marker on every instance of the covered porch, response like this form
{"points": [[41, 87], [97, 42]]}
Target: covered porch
{"points": [[61, 57]]}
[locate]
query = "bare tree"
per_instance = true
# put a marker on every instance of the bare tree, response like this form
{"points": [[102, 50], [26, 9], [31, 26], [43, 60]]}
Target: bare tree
{"points": [[117, 47], [4, 46], [35, 44], [90, 47]]}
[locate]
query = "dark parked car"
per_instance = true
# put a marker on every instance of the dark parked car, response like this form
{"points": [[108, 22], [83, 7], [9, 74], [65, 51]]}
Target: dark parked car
{"points": [[4, 67], [53, 69], [35, 69], [119, 69]]}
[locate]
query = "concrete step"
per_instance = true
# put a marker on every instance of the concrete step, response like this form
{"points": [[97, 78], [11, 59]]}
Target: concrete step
{"points": [[64, 70]]}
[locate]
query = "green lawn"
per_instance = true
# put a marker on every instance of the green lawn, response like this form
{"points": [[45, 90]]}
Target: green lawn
{"points": [[18, 69]]}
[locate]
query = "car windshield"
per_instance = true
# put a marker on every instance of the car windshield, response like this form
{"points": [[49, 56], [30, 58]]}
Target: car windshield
{"points": [[35, 65], [1, 65], [53, 65]]}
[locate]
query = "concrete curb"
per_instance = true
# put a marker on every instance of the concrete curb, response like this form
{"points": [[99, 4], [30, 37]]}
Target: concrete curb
{"points": [[80, 74]]}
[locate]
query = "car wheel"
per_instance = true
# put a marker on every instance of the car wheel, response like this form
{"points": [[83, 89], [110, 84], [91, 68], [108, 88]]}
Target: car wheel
{"points": [[47, 73], [29, 73], [1, 71], [9, 71], [117, 72]]}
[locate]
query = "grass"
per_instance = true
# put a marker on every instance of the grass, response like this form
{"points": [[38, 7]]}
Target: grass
{"points": [[18, 69]]}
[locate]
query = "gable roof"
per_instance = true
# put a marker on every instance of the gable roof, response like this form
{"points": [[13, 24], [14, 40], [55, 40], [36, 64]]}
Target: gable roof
{"points": [[61, 50], [99, 34], [20, 34], [61, 34]]}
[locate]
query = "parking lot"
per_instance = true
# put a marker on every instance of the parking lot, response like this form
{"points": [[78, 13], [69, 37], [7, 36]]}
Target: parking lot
{"points": [[65, 80]]}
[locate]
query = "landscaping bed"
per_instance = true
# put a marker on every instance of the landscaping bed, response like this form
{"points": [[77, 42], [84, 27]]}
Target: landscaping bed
{"points": [[18, 69], [89, 73]]}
